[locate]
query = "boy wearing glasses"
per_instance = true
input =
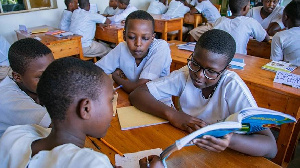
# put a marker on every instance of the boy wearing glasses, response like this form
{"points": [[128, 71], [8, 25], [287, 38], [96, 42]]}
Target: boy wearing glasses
{"points": [[208, 94]]}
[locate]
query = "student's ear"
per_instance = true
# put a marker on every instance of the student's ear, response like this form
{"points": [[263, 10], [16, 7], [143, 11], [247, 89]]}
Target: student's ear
{"points": [[85, 109], [153, 36], [17, 77]]}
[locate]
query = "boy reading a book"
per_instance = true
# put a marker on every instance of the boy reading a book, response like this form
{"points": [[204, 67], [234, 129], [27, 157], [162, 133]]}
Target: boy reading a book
{"points": [[208, 93], [111, 9], [19, 103], [141, 57], [65, 20], [125, 9], [240, 27], [75, 113], [285, 44]]}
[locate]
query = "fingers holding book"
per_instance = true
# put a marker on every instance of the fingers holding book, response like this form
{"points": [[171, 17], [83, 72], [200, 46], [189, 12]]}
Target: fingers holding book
{"points": [[152, 161], [211, 143]]}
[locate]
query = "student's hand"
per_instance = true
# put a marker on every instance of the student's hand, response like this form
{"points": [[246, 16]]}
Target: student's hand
{"points": [[186, 3], [153, 160], [193, 10], [118, 74], [214, 144], [186, 122]]}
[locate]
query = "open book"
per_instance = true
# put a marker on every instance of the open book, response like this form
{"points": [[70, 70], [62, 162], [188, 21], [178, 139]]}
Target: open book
{"points": [[279, 66], [246, 121]]}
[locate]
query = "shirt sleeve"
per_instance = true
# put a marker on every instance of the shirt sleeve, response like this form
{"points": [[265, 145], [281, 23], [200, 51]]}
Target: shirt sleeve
{"points": [[258, 32], [122, 16], [97, 18], [278, 17], [200, 7], [106, 11], [276, 48]]}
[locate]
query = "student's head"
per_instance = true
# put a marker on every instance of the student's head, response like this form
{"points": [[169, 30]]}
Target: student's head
{"points": [[291, 14], [84, 4], [214, 50], [71, 4], [239, 7], [269, 5], [28, 59], [113, 3], [163, 1], [79, 93], [122, 4], [139, 33]]}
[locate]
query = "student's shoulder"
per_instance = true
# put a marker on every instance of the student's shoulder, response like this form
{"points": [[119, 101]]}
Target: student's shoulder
{"points": [[159, 43], [232, 79]]}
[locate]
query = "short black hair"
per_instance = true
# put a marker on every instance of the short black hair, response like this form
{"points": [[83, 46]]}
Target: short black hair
{"points": [[23, 51], [139, 14], [218, 41], [237, 5], [126, 2], [83, 3], [67, 2], [292, 10], [66, 79]]}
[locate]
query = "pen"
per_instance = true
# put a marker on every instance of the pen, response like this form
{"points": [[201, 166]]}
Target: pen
{"points": [[113, 148], [118, 87], [94, 143]]}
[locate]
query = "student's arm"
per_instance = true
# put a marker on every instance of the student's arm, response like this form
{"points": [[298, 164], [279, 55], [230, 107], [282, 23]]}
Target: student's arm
{"points": [[276, 49], [258, 32], [188, 4], [267, 38], [273, 28]]}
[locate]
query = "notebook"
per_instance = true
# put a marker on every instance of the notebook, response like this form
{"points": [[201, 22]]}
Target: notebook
{"points": [[130, 117]]}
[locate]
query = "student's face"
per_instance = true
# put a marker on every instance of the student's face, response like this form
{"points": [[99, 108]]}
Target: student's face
{"points": [[139, 35], [113, 3], [74, 5], [269, 5], [121, 5], [209, 60], [29, 80]]}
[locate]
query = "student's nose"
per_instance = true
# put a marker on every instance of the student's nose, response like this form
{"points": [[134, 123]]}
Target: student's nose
{"points": [[200, 74], [138, 42]]}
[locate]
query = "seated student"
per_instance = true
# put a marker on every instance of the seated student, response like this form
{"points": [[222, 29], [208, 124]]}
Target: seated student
{"points": [[111, 9], [285, 44], [67, 14], [208, 93], [269, 16], [141, 57], [125, 9], [157, 7], [210, 12], [240, 27], [177, 9], [19, 103], [75, 113], [4, 63], [83, 23]]}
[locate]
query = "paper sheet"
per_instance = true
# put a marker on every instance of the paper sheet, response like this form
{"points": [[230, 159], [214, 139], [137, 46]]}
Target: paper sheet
{"points": [[131, 160], [288, 79]]}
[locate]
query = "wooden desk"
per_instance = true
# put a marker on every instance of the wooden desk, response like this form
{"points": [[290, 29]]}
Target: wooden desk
{"points": [[163, 135], [194, 19], [266, 93], [259, 49], [164, 26], [60, 47], [113, 33]]}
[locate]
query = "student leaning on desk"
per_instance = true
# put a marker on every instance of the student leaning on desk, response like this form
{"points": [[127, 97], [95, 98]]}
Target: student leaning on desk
{"points": [[74, 111], [208, 93]]}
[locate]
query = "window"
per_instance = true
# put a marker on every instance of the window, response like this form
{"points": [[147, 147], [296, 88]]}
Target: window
{"points": [[8, 6]]}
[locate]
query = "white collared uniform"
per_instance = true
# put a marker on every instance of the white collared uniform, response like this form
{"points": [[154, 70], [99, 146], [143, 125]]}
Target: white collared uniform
{"points": [[122, 14], [208, 10], [157, 7], [110, 11], [65, 20], [177, 9], [241, 29], [156, 64], [16, 151], [194, 2], [230, 96], [286, 46], [17, 108], [4, 47]]}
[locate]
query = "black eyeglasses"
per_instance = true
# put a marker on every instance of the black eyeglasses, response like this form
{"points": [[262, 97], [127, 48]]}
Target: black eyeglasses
{"points": [[208, 73]]}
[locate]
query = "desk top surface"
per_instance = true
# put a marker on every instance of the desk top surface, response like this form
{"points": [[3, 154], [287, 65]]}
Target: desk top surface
{"points": [[159, 18]]}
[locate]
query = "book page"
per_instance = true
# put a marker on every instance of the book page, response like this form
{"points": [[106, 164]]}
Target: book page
{"points": [[130, 117], [288, 79], [131, 160]]}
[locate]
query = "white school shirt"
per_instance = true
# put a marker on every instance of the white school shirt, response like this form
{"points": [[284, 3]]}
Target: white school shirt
{"points": [[122, 14], [230, 96], [194, 2], [110, 11], [16, 151], [209, 11], [84, 23], [241, 29], [65, 20], [177, 9], [17, 108], [286, 46], [275, 16], [4, 47], [157, 7], [156, 64]]}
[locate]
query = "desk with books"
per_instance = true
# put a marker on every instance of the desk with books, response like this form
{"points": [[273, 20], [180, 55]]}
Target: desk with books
{"points": [[267, 94], [164, 135], [112, 33]]}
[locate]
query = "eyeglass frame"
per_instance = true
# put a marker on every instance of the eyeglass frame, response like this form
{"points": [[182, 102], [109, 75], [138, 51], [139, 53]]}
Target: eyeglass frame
{"points": [[190, 59]]}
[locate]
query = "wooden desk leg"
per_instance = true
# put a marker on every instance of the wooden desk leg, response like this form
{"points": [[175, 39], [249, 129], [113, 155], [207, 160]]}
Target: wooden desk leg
{"points": [[164, 35], [180, 31], [196, 21]]}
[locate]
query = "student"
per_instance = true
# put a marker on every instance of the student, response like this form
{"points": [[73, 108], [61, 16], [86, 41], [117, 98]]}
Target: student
{"points": [[240, 27], [19, 103], [192, 3], [4, 63], [67, 14], [177, 9], [141, 57], [157, 7], [126, 9], [208, 93], [269, 16], [285, 44], [83, 23], [75, 113], [210, 12], [111, 9]]}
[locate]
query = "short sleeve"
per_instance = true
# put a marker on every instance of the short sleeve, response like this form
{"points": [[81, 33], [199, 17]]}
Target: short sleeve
{"points": [[200, 7], [276, 48], [97, 18], [258, 32], [106, 11]]}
